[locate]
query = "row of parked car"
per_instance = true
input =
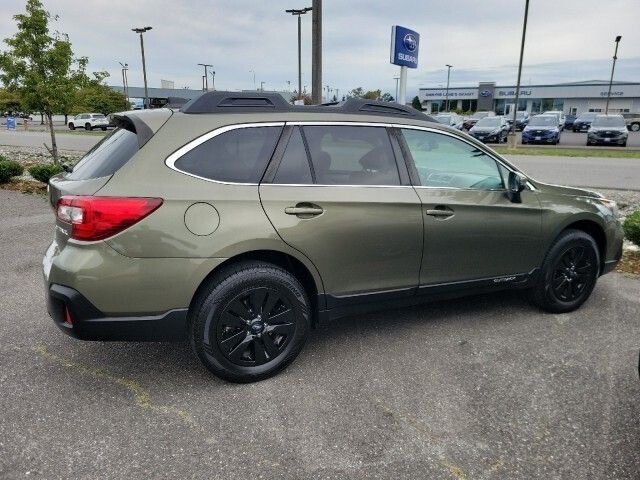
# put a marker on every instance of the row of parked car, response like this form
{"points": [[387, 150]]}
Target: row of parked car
{"points": [[544, 128]]}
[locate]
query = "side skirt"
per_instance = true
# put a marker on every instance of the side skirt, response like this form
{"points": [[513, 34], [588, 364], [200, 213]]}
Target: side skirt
{"points": [[342, 306]]}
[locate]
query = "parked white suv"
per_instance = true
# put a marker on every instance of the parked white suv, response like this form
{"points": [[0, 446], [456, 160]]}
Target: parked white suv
{"points": [[89, 121], [560, 115]]}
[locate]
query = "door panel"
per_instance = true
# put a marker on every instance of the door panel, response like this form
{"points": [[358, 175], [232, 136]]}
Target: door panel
{"points": [[471, 229], [365, 239], [486, 235]]}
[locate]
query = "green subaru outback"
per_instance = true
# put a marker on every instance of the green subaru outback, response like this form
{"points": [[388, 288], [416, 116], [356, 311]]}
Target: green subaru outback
{"points": [[240, 221]]}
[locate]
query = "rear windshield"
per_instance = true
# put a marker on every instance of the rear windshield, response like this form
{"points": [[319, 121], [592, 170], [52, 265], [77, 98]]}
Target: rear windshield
{"points": [[587, 116], [107, 157]]}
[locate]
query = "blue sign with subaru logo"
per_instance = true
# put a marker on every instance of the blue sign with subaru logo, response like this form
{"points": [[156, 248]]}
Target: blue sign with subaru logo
{"points": [[404, 47]]}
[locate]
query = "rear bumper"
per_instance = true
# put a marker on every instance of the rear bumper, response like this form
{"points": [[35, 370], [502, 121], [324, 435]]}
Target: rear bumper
{"points": [[89, 323]]}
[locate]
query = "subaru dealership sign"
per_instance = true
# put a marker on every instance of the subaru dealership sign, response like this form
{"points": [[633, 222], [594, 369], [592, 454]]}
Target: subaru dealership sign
{"points": [[404, 47]]}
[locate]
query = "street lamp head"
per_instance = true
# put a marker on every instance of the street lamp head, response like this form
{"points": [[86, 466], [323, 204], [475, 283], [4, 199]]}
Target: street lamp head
{"points": [[618, 38], [450, 66], [299, 11], [141, 29]]}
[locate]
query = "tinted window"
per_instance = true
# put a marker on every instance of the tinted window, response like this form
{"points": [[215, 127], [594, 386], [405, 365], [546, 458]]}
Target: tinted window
{"points": [[611, 121], [239, 155], [489, 122], [344, 155], [543, 121], [106, 158], [444, 161], [294, 167]]}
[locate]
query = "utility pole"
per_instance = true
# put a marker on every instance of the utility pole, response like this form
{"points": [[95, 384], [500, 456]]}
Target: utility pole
{"points": [[205, 87], [262, 86], [446, 97], [213, 79], [299, 12], [316, 52], [141, 30], [613, 67], [396, 79], [125, 88], [254, 78], [512, 131]]}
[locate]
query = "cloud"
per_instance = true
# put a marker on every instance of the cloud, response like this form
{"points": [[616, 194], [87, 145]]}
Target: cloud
{"points": [[569, 40]]}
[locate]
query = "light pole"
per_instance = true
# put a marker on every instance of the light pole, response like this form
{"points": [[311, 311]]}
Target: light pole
{"points": [[262, 86], [446, 97], [396, 79], [254, 78], [213, 79], [613, 67], [299, 12], [205, 87], [141, 30], [125, 87], [512, 131]]}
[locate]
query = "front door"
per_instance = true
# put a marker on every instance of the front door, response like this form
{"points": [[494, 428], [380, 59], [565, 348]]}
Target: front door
{"points": [[336, 196], [472, 231]]}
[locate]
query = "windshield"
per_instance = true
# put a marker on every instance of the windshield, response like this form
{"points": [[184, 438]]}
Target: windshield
{"points": [[446, 119], [613, 121], [489, 122], [543, 121], [480, 115], [587, 116]]}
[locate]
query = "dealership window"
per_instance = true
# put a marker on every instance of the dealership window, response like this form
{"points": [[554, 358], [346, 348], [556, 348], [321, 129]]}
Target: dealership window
{"points": [[547, 104], [469, 105], [536, 105], [558, 104]]}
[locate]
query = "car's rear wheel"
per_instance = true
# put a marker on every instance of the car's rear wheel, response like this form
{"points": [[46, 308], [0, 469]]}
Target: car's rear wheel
{"points": [[249, 321], [87, 126], [569, 273]]}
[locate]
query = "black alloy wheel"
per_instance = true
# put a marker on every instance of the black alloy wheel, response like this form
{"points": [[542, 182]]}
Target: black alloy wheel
{"points": [[572, 273], [255, 327]]}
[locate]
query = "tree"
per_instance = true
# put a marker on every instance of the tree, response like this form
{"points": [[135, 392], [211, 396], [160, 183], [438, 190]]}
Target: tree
{"points": [[356, 92], [415, 103], [372, 95], [95, 96], [10, 101], [39, 66], [386, 97]]}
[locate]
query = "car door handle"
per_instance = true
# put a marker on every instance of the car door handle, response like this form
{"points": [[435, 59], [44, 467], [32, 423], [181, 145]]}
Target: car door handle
{"points": [[440, 212], [305, 210]]}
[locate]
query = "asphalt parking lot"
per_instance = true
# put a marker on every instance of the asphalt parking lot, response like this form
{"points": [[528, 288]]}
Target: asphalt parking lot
{"points": [[485, 387]]}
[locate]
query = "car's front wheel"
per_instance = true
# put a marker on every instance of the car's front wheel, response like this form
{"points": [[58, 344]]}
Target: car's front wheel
{"points": [[568, 274], [72, 126], [249, 321]]}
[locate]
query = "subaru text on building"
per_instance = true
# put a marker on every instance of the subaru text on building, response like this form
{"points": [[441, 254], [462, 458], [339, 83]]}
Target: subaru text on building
{"points": [[240, 221]]}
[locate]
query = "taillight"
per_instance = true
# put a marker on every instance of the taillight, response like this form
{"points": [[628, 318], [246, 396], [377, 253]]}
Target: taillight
{"points": [[97, 218]]}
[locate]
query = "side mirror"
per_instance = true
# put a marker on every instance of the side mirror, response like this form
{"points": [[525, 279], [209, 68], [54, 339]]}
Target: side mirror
{"points": [[516, 183]]}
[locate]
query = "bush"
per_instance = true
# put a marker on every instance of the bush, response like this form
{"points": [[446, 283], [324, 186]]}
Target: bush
{"points": [[8, 169], [631, 227], [43, 173]]}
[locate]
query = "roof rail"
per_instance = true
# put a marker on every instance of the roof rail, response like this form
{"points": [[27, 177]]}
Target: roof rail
{"points": [[238, 102]]}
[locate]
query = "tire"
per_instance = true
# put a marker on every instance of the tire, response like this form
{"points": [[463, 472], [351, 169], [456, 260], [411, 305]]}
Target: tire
{"points": [[560, 287], [624, 144], [635, 127], [233, 341], [72, 126], [87, 126], [104, 129]]}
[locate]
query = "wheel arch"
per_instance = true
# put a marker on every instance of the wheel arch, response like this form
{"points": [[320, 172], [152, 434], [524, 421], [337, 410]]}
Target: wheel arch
{"points": [[307, 275], [592, 228]]}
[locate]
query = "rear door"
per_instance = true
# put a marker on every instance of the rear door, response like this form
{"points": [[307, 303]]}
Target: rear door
{"points": [[336, 194], [472, 231]]}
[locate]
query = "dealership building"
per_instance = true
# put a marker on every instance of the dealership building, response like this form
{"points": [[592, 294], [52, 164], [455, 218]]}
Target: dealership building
{"points": [[572, 98]]}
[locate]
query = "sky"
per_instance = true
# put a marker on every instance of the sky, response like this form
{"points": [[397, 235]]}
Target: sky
{"points": [[567, 40]]}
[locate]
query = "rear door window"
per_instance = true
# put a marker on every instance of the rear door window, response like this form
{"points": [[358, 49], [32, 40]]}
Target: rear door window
{"points": [[346, 155], [239, 156], [294, 167], [107, 157]]}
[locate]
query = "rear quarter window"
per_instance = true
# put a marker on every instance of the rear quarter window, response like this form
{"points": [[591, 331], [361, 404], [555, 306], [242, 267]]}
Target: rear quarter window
{"points": [[239, 155], [107, 157]]}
